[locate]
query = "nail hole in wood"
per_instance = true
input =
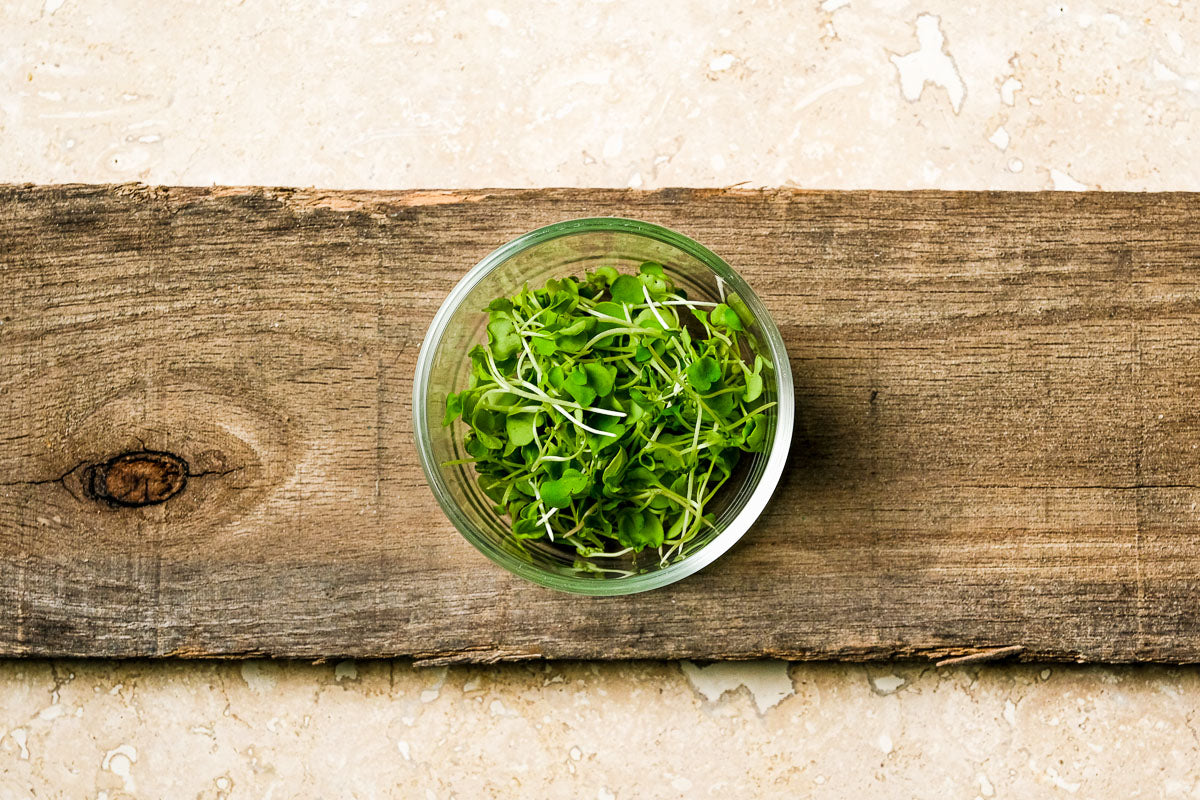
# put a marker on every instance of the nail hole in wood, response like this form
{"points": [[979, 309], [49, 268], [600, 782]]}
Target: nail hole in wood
{"points": [[136, 479]]}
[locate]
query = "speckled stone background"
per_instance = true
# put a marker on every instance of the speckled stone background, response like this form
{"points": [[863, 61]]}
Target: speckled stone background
{"points": [[833, 94]]}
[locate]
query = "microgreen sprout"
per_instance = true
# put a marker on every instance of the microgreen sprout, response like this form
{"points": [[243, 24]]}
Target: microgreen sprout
{"points": [[604, 414]]}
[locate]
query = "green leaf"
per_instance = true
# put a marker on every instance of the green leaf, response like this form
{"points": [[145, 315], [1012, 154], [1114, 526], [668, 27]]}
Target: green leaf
{"points": [[503, 337], [525, 526], [725, 317], [556, 378], [453, 407], [615, 469], [741, 310], [676, 528], [703, 372], [627, 289], [502, 401], [754, 387], [651, 268], [667, 458], [555, 494], [520, 427], [583, 325], [722, 404], [639, 478], [571, 344], [600, 378], [606, 275], [599, 443], [474, 447], [647, 319], [558, 493], [610, 309], [656, 287], [757, 436], [488, 425], [577, 386], [470, 400], [479, 365], [492, 486], [562, 304], [639, 529]]}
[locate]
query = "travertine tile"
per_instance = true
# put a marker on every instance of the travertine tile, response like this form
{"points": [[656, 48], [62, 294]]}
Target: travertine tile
{"points": [[832, 94], [636, 730]]}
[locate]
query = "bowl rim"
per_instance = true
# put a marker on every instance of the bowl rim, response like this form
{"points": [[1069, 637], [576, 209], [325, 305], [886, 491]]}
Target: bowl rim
{"points": [[776, 455]]}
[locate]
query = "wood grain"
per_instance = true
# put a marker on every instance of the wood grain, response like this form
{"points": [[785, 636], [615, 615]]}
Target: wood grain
{"points": [[996, 450]]}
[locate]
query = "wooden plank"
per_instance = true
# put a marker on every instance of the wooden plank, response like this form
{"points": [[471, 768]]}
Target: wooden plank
{"points": [[996, 451]]}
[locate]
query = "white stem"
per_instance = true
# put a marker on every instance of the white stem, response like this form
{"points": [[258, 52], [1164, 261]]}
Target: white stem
{"points": [[545, 520], [537, 394], [521, 328], [653, 308], [653, 362], [692, 475], [587, 428], [603, 554], [688, 303], [566, 403], [617, 332], [606, 317], [624, 573], [674, 391], [667, 557], [537, 370]]}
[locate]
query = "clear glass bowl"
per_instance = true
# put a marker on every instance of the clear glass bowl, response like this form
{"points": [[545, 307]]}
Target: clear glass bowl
{"points": [[571, 248]]}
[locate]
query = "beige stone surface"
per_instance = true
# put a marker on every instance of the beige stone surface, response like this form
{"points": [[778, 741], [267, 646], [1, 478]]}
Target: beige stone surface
{"points": [[381, 729], [832, 94]]}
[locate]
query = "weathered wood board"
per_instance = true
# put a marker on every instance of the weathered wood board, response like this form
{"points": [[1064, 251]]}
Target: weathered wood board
{"points": [[997, 443]]}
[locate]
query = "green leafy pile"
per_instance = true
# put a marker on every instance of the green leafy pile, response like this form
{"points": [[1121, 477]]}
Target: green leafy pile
{"points": [[605, 413]]}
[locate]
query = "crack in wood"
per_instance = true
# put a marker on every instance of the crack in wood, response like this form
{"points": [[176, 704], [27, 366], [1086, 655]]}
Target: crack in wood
{"points": [[991, 654]]}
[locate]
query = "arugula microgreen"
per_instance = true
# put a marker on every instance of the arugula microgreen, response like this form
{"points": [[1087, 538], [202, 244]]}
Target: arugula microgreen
{"points": [[604, 414]]}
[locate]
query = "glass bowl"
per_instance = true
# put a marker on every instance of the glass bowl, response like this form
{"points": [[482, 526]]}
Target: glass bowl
{"points": [[443, 367]]}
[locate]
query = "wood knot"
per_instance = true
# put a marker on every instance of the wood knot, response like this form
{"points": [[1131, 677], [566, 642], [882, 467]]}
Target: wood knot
{"points": [[136, 479]]}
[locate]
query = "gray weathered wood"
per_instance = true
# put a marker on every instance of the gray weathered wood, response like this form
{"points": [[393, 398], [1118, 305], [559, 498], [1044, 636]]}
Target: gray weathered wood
{"points": [[996, 447]]}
